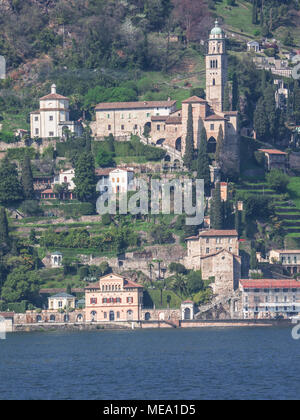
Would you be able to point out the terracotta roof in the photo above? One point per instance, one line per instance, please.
(272, 151)
(53, 96)
(214, 117)
(270, 284)
(130, 284)
(194, 100)
(230, 112)
(214, 232)
(286, 251)
(134, 105)
(48, 191)
(7, 314)
(103, 171)
(159, 118)
(174, 120)
(191, 238)
(50, 291)
(127, 285)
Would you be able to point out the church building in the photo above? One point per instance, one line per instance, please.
(52, 119)
(166, 126)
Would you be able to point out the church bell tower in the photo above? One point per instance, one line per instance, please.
(216, 68)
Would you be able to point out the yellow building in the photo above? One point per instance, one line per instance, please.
(113, 298)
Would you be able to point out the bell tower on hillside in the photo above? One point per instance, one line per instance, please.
(216, 68)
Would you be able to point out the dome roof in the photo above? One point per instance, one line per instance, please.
(216, 30)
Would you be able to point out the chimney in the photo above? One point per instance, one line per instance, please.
(53, 89)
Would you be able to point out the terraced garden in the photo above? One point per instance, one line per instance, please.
(287, 206)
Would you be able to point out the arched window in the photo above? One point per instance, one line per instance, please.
(211, 145)
(93, 316)
(52, 318)
(66, 318)
(214, 82)
(129, 315)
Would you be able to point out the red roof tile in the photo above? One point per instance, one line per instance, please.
(193, 100)
(272, 151)
(214, 232)
(53, 96)
(214, 117)
(270, 284)
(134, 105)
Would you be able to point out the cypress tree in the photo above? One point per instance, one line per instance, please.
(203, 171)
(189, 143)
(270, 109)
(254, 12)
(226, 100)
(235, 93)
(85, 179)
(4, 232)
(220, 146)
(253, 260)
(261, 123)
(216, 209)
(27, 179)
(237, 220)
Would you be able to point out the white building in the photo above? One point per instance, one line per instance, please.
(61, 301)
(66, 177)
(253, 46)
(290, 259)
(116, 180)
(53, 117)
(56, 259)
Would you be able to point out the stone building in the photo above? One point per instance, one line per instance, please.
(121, 119)
(216, 254)
(113, 298)
(53, 117)
(290, 259)
(275, 159)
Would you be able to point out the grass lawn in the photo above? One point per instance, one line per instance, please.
(294, 191)
(154, 297)
(238, 18)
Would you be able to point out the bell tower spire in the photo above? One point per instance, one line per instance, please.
(216, 68)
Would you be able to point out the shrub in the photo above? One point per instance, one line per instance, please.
(278, 180)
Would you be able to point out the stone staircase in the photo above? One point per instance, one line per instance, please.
(217, 302)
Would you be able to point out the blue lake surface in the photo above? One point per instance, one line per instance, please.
(230, 363)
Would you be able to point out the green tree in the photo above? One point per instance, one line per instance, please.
(278, 180)
(220, 146)
(21, 284)
(10, 187)
(226, 100)
(253, 260)
(261, 123)
(235, 93)
(105, 158)
(27, 179)
(203, 171)
(216, 209)
(85, 179)
(237, 220)
(189, 143)
(4, 231)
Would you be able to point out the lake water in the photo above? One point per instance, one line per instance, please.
(231, 363)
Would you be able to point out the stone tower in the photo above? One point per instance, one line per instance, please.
(216, 68)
